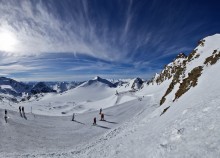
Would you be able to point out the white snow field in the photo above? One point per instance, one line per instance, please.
(134, 126)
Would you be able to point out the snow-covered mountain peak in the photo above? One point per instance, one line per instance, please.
(137, 83)
(177, 61)
(12, 88)
(209, 42)
(181, 55)
(97, 81)
(97, 78)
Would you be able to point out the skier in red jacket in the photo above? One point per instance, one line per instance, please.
(102, 117)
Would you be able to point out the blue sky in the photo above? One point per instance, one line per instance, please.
(67, 40)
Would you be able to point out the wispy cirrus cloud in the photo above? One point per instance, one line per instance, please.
(18, 68)
(39, 28)
(45, 26)
(70, 38)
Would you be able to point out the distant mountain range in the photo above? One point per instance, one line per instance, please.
(19, 91)
(15, 91)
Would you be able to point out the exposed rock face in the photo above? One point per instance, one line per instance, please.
(41, 87)
(170, 70)
(213, 58)
(191, 55)
(181, 73)
(181, 55)
(12, 87)
(137, 84)
(120, 83)
(201, 42)
(190, 81)
(165, 110)
(176, 79)
(178, 72)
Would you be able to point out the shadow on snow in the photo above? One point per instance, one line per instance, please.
(102, 126)
(79, 122)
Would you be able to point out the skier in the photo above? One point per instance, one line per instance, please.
(100, 111)
(116, 92)
(94, 121)
(23, 112)
(73, 117)
(6, 116)
(102, 117)
(20, 111)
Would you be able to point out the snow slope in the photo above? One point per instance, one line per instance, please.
(40, 136)
(68, 102)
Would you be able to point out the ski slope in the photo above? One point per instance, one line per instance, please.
(41, 134)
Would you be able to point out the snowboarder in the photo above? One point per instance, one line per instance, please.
(100, 111)
(6, 118)
(94, 121)
(20, 111)
(73, 118)
(102, 117)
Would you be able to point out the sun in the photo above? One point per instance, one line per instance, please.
(8, 41)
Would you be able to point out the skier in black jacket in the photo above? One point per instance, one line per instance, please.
(94, 121)
(20, 111)
(6, 117)
(100, 111)
(73, 118)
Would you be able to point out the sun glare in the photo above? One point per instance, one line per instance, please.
(7, 41)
